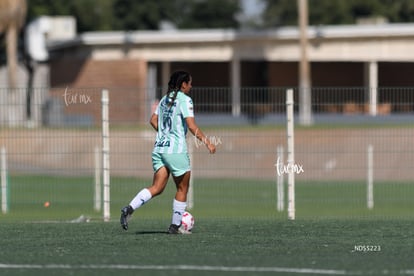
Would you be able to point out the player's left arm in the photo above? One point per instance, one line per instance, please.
(192, 126)
(154, 121)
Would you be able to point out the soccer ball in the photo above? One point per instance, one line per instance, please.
(187, 222)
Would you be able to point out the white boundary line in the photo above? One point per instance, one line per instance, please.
(204, 268)
(176, 267)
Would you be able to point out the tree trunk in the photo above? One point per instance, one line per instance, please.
(11, 38)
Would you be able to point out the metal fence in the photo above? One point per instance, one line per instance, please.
(52, 153)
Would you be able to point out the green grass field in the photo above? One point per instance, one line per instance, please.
(238, 230)
(71, 197)
(216, 247)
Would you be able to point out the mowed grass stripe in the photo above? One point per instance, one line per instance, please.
(70, 197)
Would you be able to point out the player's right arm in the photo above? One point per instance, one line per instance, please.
(154, 121)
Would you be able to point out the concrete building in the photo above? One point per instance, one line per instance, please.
(138, 64)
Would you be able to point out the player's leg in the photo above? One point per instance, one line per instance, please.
(182, 183)
(159, 183)
(160, 180)
(179, 165)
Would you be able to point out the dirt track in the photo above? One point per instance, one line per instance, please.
(324, 154)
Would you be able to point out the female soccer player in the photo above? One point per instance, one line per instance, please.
(173, 116)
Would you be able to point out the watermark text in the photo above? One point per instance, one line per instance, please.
(212, 139)
(75, 98)
(366, 248)
(288, 168)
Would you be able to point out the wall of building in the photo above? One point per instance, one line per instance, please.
(125, 79)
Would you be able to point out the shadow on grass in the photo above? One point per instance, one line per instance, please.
(150, 232)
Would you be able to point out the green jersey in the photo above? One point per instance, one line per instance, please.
(172, 127)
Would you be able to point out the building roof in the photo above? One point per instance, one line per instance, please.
(355, 38)
(219, 35)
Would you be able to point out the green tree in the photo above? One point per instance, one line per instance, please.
(140, 15)
(90, 14)
(93, 15)
(329, 12)
(47, 7)
(334, 12)
(100, 15)
(209, 14)
(185, 14)
(400, 11)
(280, 13)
